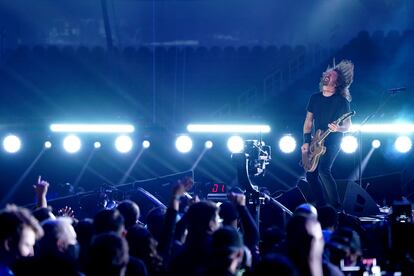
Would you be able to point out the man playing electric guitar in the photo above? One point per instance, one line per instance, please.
(323, 109)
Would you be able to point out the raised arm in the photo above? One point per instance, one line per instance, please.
(41, 188)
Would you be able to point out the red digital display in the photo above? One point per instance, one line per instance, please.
(218, 188)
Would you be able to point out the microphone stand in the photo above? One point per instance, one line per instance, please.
(367, 118)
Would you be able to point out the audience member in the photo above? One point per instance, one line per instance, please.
(19, 231)
(130, 211)
(108, 255)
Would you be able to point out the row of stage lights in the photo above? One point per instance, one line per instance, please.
(124, 144)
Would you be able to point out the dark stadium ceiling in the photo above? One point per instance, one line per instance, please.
(206, 23)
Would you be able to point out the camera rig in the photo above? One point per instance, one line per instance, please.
(258, 155)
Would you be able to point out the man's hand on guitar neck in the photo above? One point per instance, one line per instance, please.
(334, 127)
(344, 127)
(339, 128)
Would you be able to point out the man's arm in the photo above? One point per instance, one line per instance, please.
(307, 126)
(307, 129)
(346, 125)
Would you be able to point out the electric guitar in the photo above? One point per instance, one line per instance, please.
(311, 158)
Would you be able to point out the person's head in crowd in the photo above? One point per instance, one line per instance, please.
(59, 239)
(272, 263)
(345, 244)
(108, 255)
(227, 251)
(305, 244)
(19, 231)
(130, 211)
(203, 218)
(328, 217)
(228, 213)
(43, 213)
(109, 221)
(84, 233)
(155, 221)
(306, 209)
(142, 245)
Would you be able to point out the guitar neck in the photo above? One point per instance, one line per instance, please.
(324, 135)
(328, 131)
(338, 121)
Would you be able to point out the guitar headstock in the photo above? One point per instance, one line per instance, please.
(345, 116)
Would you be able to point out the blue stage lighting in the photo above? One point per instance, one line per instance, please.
(12, 144)
(349, 144)
(287, 144)
(72, 144)
(235, 144)
(146, 144)
(123, 144)
(403, 144)
(184, 144)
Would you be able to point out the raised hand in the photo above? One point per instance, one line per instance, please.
(179, 190)
(41, 188)
(66, 212)
(237, 199)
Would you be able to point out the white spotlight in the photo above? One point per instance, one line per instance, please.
(403, 144)
(92, 128)
(376, 143)
(48, 145)
(123, 144)
(235, 144)
(12, 144)
(208, 144)
(349, 144)
(287, 144)
(218, 128)
(146, 144)
(97, 145)
(384, 128)
(184, 144)
(72, 144)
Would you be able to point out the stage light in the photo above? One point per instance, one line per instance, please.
(48, 145)
(208, 144)
(349, 144)
(287, 144)
(384, 128)
(92, 128)
(403, 144)
(12, 144)
(97, 145)
(72, 144)
(227, 128)
(123, 143)
(184, 144)
(146, 144)
(376, 143)
(235, 144)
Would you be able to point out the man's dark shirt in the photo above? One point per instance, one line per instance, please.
(325, 110)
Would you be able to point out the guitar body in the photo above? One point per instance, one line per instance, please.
(310, 159)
